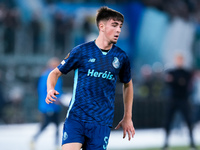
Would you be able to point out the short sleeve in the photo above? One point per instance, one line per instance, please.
(125, 71)
(71, 61)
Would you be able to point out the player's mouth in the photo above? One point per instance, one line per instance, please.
(116, 37)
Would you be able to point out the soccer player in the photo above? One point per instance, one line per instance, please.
(179, 80)
(50, 113)
(97, 65)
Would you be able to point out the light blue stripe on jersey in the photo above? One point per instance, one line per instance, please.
(74, 91)
(104, 53)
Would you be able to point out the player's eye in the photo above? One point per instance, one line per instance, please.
(114, 25)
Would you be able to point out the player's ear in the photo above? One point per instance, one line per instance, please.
(101, 26)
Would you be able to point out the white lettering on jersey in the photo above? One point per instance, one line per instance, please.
(105, 75)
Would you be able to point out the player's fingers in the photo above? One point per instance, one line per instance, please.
(50, 99)
(124, 134)
(53, 96)
(47, 101)
(56, 93)
(133, 132)
(129, 135)
(52, 93)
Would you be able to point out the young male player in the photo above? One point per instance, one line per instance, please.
(97, 65)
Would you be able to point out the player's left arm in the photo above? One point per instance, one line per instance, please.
(126, 123)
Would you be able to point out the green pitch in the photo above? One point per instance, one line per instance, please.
(170, 148)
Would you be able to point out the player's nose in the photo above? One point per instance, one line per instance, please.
(118, 29)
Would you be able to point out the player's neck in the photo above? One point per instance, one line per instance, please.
(103, 44)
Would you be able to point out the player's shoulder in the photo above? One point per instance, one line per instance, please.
(84, 45)
(119, 51)
(81, 48)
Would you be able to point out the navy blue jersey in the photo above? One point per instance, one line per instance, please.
(95, 79)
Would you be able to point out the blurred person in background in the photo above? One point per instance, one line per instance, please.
(196, 97)
(11, 23)
(179, 81)
(2, 99)
(97, 65)
(36, 29)
(50, 113)
(60, 30)
(145, 89)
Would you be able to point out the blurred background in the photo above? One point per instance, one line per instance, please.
(154, 31)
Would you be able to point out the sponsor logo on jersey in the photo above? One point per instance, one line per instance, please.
(116, 63)
(105, 75)
(92, 60)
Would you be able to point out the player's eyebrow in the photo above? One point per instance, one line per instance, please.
(116, 23)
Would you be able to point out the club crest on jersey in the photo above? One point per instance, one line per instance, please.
(116, 63)
(65, 136)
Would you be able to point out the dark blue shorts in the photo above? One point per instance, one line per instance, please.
(91, 135)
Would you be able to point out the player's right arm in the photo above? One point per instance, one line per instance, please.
(51, 83)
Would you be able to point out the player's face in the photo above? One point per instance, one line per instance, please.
(112, 30)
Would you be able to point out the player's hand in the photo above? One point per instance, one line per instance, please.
(127, 126)
(51, 96)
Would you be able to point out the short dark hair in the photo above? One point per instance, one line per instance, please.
(105, 13)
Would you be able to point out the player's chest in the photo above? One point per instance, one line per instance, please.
(110, 63)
